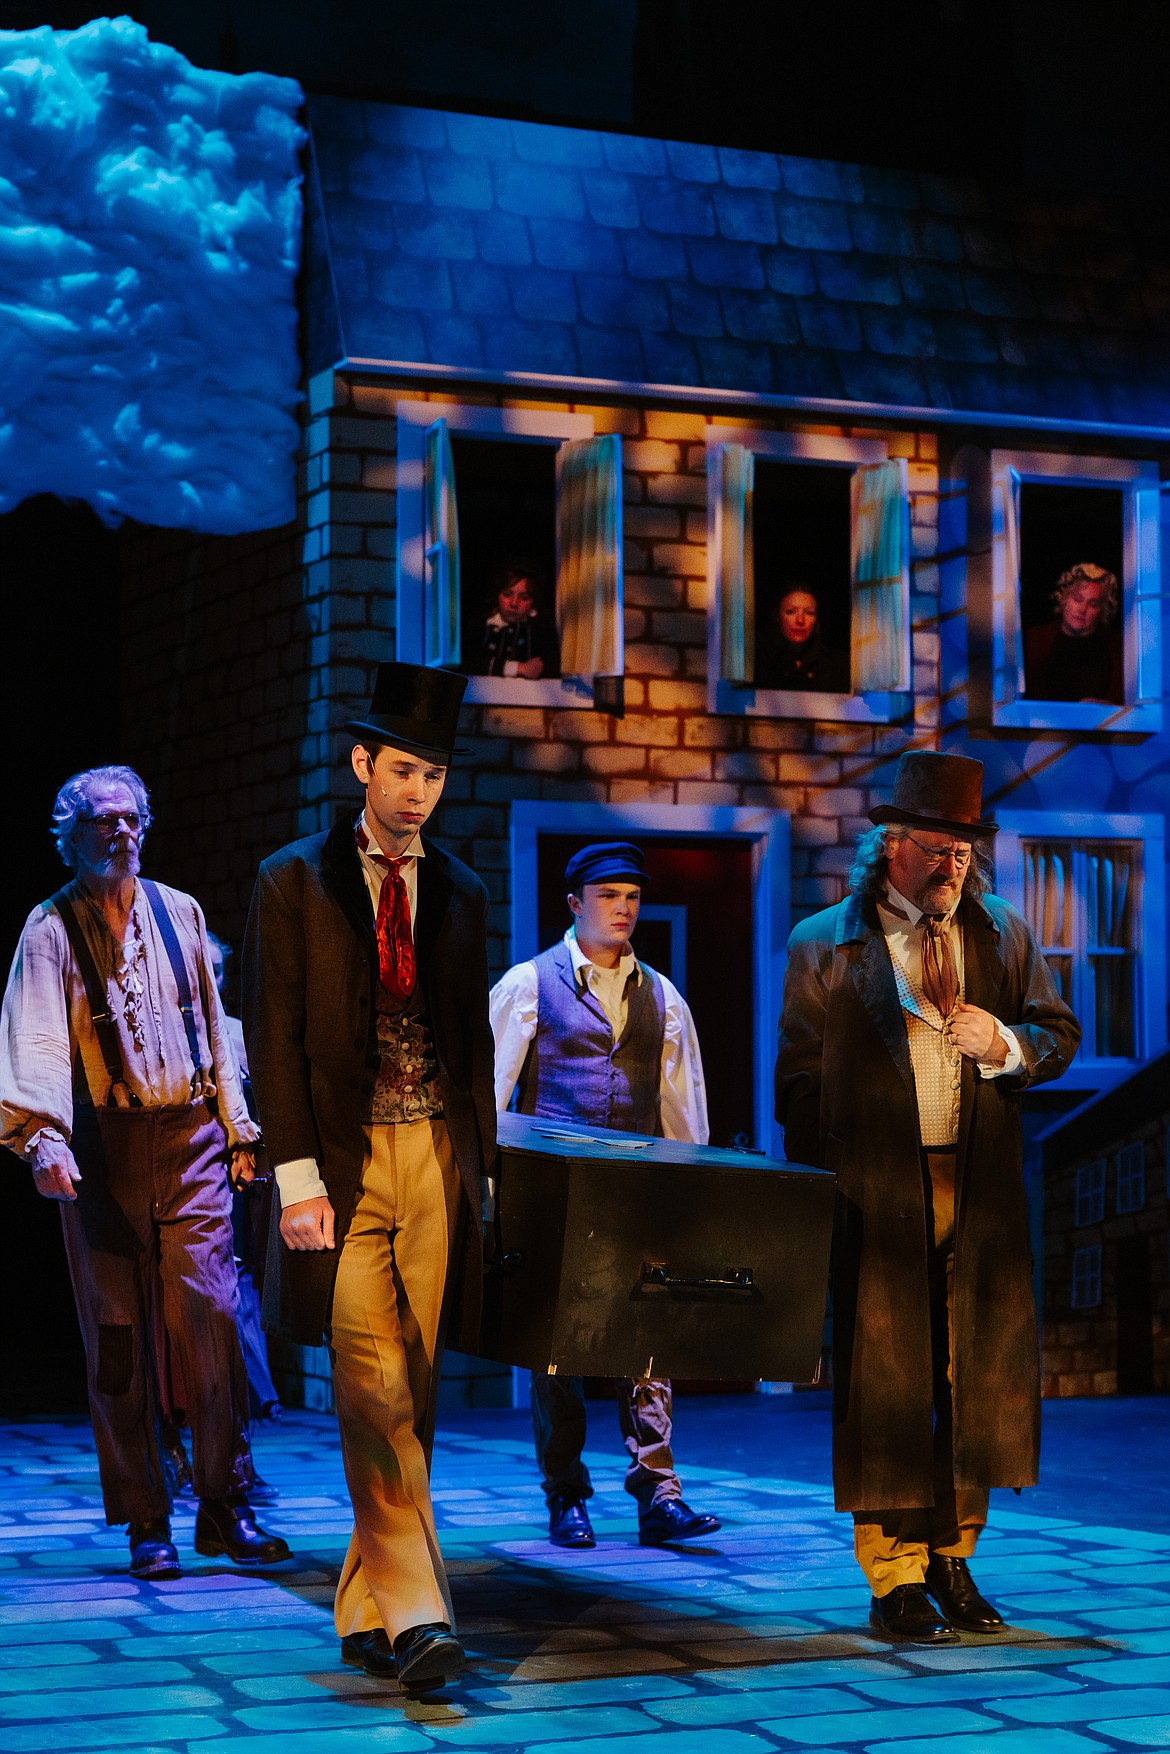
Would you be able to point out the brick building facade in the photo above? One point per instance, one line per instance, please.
(1107, 1241)
(513, 280)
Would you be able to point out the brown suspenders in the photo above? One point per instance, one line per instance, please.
(98, 998)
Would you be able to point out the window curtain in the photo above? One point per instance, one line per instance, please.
(732, 479)
(1012, 685)
(589, 556)
(441, 643)
(881, 642)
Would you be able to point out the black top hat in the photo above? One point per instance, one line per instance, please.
(941, 792)
(415, 708)
(603, 861)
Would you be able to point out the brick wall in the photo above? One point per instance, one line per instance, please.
(1081, 1346)
(667, 748)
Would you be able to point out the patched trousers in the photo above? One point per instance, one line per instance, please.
(152, 1224)
(385, 1340)
(558, 1428)
(894, 1546)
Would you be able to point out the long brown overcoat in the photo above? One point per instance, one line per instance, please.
(310, 971)
(845, 1098)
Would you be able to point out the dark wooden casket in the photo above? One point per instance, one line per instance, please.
(619, 1255)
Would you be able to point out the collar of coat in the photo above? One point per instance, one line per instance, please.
(341, 869)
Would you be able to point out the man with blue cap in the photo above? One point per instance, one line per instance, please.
(594, 1036)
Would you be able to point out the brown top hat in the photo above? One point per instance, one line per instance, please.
(415, 708)
(941, 792)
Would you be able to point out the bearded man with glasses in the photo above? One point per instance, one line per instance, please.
(119, 1087)
(916, 1012)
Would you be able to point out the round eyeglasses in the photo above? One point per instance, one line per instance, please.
(939, 855)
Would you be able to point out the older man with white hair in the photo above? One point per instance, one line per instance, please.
(119, 1088)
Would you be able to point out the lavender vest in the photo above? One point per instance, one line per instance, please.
(575, 1071)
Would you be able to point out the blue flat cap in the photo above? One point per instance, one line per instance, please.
(604, 861)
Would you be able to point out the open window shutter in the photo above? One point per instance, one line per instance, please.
(1013, 643)
(731, 483)
(440, 551)
(880, 562)
(589, 556)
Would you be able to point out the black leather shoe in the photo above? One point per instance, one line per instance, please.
(427, 1657)
(152, 1553)
(953, 1588)
(227, 1528)
(568, 1524)
(672, 1520)
(371, 1651)
(907, 1616)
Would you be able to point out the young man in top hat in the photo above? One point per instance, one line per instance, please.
(923, 1000)
(371, 1056)
(594, 1036)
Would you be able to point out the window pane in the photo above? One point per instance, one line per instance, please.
(507, 538)
(1047, 876)
(1072, 650)
(801, 546)
(1111, 869)
(1111, 980)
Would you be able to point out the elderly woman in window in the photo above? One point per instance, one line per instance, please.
(517, 638)
(1077, 655)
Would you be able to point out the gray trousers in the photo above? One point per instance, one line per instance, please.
(558, 1427)
(151, 1225)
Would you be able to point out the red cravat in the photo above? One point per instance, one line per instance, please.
(397, 969)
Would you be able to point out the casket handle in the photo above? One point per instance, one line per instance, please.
(658, 1273)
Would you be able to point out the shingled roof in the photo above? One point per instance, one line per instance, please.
(502, 249)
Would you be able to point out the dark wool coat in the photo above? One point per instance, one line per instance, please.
(310, 972)
(845, 1097)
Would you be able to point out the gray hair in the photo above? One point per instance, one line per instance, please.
(867, 874)
(77, 792)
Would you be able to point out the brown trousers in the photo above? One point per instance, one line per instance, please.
(558, 1429)
(894, 1546)
(151, 1229)
(385, 1337)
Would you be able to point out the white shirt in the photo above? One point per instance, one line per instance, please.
(300, 1179)
(512, 1006)
(904, 939)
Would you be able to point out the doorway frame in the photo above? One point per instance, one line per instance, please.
(769, 833)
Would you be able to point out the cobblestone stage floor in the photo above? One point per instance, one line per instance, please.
(755, 1641)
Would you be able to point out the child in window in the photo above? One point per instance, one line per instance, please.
(517, 638)
(1077, 655)
(794, 656)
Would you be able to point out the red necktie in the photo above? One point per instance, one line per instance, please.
(939, 980)
(397, 969)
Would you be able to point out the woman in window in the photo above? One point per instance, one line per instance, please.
(1077, 655)
(795, 656)
(517, 639)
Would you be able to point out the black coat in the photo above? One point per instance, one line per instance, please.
(310, 973)
(845, 1097)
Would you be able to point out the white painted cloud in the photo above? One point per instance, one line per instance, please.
(150, 217)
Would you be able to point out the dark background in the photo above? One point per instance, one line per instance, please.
(507, 517)
(1060, 527)
(801, 536)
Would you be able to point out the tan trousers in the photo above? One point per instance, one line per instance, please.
(386, 1340)
(894, 1546)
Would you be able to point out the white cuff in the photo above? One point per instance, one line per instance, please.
(299, 1180)
(1015, 1059)
(511, 667)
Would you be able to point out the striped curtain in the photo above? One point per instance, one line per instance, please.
(730, 484)
(589, 556)
(880, 559)
(441, 644)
